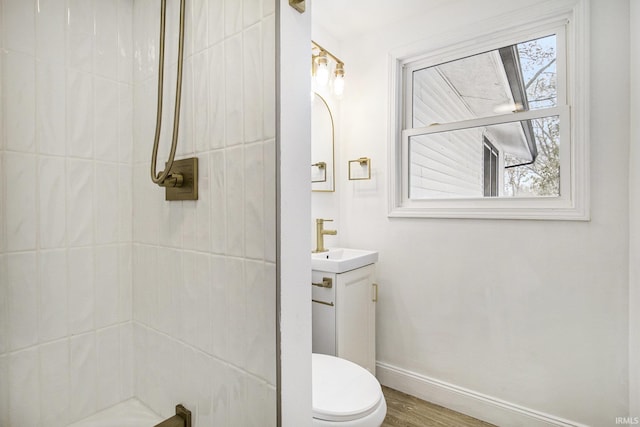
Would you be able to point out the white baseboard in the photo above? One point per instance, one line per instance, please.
(477, 405)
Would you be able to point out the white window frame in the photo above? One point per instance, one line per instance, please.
(566, 18)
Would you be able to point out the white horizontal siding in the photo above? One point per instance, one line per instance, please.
(435, 101)
(446, 164)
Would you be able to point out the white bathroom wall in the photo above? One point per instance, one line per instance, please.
(634, 215)
(204, 271)
(531, 313)
(66, 335)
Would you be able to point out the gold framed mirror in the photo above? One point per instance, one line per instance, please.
(322, 146)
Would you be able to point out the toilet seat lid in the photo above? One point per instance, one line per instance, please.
(342, 390)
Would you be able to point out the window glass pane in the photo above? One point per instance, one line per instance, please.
(518, 77)
(526, 156)
(542, 177)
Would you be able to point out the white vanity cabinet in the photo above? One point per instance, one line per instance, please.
(344, 315)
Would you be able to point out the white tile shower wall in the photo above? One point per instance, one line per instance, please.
(66, 144)
(204, 280)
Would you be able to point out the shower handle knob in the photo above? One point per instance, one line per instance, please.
(174, 179)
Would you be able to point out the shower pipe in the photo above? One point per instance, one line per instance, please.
(166, 178)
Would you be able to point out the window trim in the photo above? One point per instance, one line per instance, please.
(573, 203)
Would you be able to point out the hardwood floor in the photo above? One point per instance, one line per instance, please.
(408, 411)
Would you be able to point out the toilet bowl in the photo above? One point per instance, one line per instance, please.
(345, 394)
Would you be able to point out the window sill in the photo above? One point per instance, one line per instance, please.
(522, 209)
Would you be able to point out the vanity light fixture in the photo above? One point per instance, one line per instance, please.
(321, 63)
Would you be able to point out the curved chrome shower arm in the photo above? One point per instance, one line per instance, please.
(159, 178)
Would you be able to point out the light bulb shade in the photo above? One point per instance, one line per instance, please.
(322, 69)
(338, 85)
(322, 74)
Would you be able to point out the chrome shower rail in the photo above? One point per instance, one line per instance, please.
(166, 178)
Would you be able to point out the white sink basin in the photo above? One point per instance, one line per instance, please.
(339, 260)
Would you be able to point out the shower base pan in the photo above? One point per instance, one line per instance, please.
(130, 413)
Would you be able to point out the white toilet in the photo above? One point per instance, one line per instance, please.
(345, 394)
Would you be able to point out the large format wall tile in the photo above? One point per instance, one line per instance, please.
(106, 290)
(20, 201)
(80, 199)
(108, 366)
(269, 188)
(106, 119)
(3, 238)
(105, 52)
(19, 101)
(51, 101)
(269, 76)
(52, 199)
(203, 208)
(19, 25)
(125, 203)
(232, 17)
(217, 113)
(125, 279)
(201, 101)
(24, 388)
(22, 300)
(54, 383)
(81, 290)
(80, 107)
(215, 22)
(254, 201)
(106, 200)
(125, 123)
(4, 310)
(233, 89)
(51, 19)
(235, 200)
(252, 83)
(217, 186)
(126, 373)
(80, 35)
(83, 375)
(125, 41)
(52, 277)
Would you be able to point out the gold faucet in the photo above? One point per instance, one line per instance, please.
(320, 233)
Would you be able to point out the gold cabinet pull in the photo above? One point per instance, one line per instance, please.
(326, 283)
(330, 304)
(375, 292)
(298, 5)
